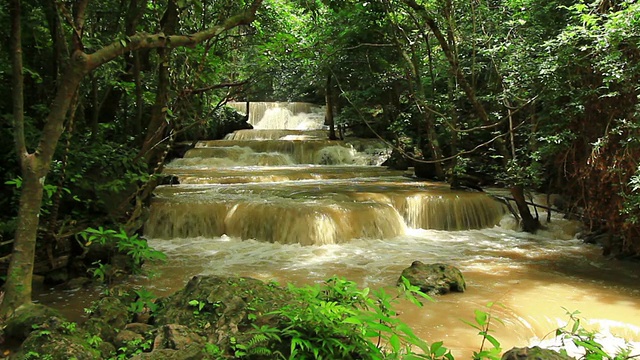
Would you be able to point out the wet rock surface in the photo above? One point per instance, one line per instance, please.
(434, 279)
(211, 312)
(534, 353)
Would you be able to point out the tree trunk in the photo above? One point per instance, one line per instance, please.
(34, 168)
(20, 273)
(134, 14)
(36, 165)
(328, 115)
(529, 223)
(158, 123)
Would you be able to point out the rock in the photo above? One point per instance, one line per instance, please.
(534, 353)
(110, 314)
(58, 341)
(126, 336)
(26, 318)
(397, 161)
(219, 308)
(76, 283)
(227, 120)
(223, 121)
(56, 277)
(139, 328)
(424, 170)
(465, 182)
(192, 352)
(434, 279)
(176, 337)
(168, 180)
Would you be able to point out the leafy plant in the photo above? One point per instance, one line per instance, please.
(145, 301)
(198, 304)
(137, 248)
(339, 320)
(482, 322)
(574, 332)
(94, 340)
(100, 271)
(69, 327)
(257, 345)
(133, 348)
(120, 241)
(212, 351)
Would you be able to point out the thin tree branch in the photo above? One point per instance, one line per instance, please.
(188, 92)
(148, 41)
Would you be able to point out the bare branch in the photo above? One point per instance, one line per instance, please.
(188, 92)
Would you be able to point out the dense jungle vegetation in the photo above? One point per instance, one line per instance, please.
(529, 95)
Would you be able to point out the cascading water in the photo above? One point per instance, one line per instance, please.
(282, 115)
(289, 205)
(264, 204)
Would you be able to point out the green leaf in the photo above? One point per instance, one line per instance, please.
(352, 320)
(493, 341)
(395, 343)
(482, 318)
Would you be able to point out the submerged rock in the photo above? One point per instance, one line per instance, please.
(534, 353)
(434, 279)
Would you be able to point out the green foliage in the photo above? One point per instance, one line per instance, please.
(133, 348)
(145, 301)
(49, 191)
(94, 340)
(136, 248)
(482, 323)
(212, 351)
(32, 355)
(69, 327)
(339, 320)
(258, 344)
(198, 304)
(575, 333)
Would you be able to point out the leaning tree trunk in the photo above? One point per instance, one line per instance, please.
(328, 115)
(158, 124)
(35, 166)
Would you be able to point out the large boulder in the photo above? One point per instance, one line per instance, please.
(26, 318)
(534, 353)
(58, 340)
(109, 315)
(220, 308)
(434, 279)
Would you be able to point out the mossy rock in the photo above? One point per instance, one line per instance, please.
(219, 308)
(434, 279)
(192, 352)
(534, 353)
(26, 318)
(109, 315)
(58, 341)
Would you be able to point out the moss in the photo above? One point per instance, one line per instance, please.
(26, 318)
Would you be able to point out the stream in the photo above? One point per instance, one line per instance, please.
(282, 203)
